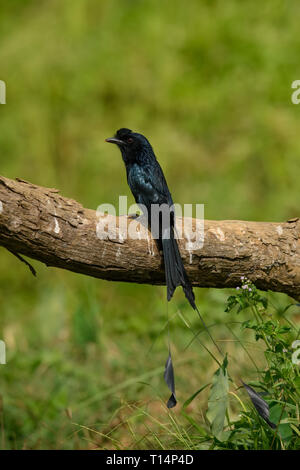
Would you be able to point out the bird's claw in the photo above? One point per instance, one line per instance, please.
(133, 216)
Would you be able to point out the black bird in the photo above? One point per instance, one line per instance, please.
(148, 185)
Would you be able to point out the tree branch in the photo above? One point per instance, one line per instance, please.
(39, 223)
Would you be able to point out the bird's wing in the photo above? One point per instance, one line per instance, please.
(149, 186)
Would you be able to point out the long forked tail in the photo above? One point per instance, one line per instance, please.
(176, 276)
(174, 269)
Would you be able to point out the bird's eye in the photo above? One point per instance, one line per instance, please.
(130, 140)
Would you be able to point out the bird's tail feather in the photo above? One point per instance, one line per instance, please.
(174, 270)
(176, 276)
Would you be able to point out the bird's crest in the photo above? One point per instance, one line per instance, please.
(123, 132)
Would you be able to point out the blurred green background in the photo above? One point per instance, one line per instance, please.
(209, 83)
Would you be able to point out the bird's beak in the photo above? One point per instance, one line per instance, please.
(113, 140)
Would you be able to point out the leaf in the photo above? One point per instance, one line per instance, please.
(218, 401)
(169, 379)
(192, 397)
(260, 404)
(297, 384)
(278, 414)
(191, 420)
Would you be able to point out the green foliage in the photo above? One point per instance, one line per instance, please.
(218, 401)
(279, 379)
(246, 296)
(277, 383)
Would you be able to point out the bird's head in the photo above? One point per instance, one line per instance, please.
(130, 143)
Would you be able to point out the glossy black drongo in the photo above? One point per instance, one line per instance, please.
(149, 187)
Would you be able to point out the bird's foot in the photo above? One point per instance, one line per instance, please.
(133, 216)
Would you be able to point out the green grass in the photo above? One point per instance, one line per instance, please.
(210, 84)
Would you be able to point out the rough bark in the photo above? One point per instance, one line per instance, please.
(40, 223)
